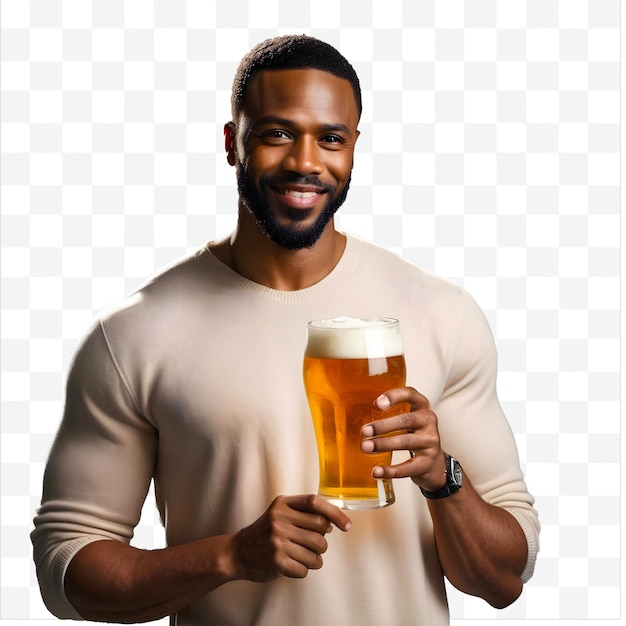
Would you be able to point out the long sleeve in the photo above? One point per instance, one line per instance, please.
(473, 427)
(195, 382)
(98, 471)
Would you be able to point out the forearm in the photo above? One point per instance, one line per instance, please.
(482, 548)
(110, 581)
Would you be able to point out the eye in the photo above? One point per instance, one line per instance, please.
(332, 139)
(332, 142)
(277, 135)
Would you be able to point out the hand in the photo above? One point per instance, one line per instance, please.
(415, 431)
(288, 539)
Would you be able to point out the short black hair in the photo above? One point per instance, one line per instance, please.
(291, 52)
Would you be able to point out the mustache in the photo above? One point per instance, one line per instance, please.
(295, 179)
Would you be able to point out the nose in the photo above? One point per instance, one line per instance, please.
(304, 157)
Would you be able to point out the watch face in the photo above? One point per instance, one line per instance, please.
(457, 472)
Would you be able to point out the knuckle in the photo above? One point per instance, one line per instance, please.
(277, 503)
(321, 523)
(276, 545)
(312, 501)
(404, 441)
(283, 565)
(317, 563)
(407, 419)
(321, 545)
(392, 472)
(273, 517)
(432, 439)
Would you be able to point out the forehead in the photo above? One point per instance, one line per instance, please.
(298, 92)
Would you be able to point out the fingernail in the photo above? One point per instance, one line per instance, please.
(378, 472)
(367, 446)
(383, 402)
(367, 431)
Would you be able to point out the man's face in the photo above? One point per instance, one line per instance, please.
(295, 143)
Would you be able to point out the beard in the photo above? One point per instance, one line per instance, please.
(292, 236)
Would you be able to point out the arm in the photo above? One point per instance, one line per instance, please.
(114, 582)
(111, 581)
(487, 532)
(482, 548)
(96, 480)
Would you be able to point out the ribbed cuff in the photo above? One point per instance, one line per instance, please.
(57, 602)
(532, 539)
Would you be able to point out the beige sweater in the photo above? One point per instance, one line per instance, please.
(195, 381)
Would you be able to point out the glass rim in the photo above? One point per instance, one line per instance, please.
(348, 323)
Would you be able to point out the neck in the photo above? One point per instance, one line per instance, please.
(252, 255)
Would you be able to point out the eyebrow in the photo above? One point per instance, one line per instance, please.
(286, 123)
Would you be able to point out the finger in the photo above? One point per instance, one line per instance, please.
(309, 558)
(298, 551)
(401, 470)
(423, 463)
(402, 394)
(307, 540)
(315, 522)
(311, 503)
(413, 440)
(404, 422)
(297, 562)
(414, 402)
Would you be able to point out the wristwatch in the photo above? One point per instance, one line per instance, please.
(454, 480)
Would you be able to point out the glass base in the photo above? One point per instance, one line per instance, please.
(355, 499)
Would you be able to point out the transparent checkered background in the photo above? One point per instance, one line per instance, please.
(489, 153)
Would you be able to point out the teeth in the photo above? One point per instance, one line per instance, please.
(300, 194)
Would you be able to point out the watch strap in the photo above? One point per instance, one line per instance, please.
(451, 485)
(444, 492)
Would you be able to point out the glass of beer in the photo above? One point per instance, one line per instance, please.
(348, 363)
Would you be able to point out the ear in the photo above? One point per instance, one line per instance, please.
(229, 143)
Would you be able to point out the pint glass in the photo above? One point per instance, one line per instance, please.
(348, 363)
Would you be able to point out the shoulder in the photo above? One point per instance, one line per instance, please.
(442, 308)
(168, 304)
(168, 285)
(390, 267)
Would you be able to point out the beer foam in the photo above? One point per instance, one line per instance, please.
(354, 338)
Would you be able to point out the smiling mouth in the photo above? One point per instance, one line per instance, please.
(299, 194)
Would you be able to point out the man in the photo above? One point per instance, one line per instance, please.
(195, 381)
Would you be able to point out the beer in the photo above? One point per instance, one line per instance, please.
(348, 363)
